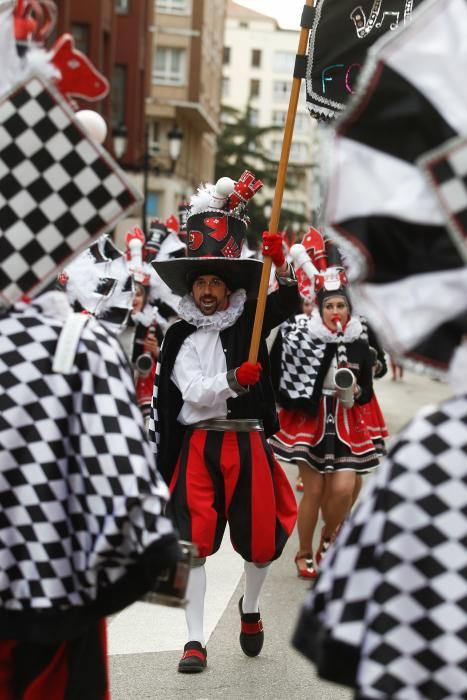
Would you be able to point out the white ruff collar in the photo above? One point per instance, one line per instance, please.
(317, 329)
(53, 303)
(457, 375)
(219, 320)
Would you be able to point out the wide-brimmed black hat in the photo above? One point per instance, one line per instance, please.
(215, 237)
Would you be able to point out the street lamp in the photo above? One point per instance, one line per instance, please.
(175, 136)
(120, 140)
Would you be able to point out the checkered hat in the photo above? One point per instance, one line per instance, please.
(59, 189)
(216, 229)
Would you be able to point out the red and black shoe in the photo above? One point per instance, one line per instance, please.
(193, 659)
(251, 631)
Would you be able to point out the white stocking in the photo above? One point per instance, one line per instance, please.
(194, 611)
(254, 579)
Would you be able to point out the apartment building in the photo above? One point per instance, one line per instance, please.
(258, 64)
(184, 99)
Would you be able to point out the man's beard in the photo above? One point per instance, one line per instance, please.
(209, 305)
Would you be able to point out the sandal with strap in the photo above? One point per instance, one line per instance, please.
(324, 544)
(307, 571)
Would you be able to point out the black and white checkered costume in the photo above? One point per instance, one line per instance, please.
(301, 358)
(389, 612)
(82, 530)
(59, 189)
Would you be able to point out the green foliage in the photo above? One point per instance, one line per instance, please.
(240, 147)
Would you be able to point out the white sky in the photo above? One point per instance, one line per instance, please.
(287, 12)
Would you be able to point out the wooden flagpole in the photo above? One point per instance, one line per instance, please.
(278, 193)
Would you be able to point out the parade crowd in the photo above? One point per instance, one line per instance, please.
(137, 424)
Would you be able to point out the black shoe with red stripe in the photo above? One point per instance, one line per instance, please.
(251, 631)
(193, 659)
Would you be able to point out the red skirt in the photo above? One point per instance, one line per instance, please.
(336, 438)
(375, 423)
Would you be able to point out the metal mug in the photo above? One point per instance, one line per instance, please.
(171, 584)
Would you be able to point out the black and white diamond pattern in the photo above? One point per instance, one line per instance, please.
(80, 497)
(300, 360)
(58, 188)
(447, 171)
(394, 586)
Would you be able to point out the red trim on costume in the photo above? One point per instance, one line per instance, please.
(6, 669)
(194, 652)
(103, 637)
(52, 682)
(252, 627)
(175, 476)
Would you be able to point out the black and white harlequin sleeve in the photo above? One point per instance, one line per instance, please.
(390, 601)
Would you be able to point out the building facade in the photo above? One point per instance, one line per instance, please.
(184, 97)
(258, 65)
(163, 59)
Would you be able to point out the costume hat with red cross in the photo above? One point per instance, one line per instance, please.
(216, 228)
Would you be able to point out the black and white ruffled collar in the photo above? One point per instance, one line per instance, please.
(189, 312)
(317, 329)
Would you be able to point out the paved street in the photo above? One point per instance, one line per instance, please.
(145, 641)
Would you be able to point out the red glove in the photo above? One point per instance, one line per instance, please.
(248, 373)
(273, 247)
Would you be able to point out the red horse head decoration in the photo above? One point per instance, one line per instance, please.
(79, 78)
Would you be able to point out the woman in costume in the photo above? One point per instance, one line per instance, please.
(323, 429)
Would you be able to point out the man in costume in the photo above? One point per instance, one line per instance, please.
(221, 409)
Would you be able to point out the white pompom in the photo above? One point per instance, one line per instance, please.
(225, 186)
(93, 124)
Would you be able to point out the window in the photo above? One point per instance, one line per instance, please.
(173, 7)
(169, 66)
(301, 121)
(225, 87)
(253, 117)
(80, 34)
(256, 58)
(153, 137)
(122, 7)
(243, 25)
(293, 205)
(226, 56)
(119, 82)
(299, 152)
(281, 90)
(276, 148)
(279, 117)
(283, 61)
(153, 204)
(254, 88)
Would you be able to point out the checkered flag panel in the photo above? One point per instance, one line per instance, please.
(80, 497)
(393, 588)
(58, 189)
(300, 360)
(447, 171)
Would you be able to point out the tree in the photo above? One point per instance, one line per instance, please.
(240, 147)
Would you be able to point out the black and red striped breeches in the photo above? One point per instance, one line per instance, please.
(230, 477)
(71, 670)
